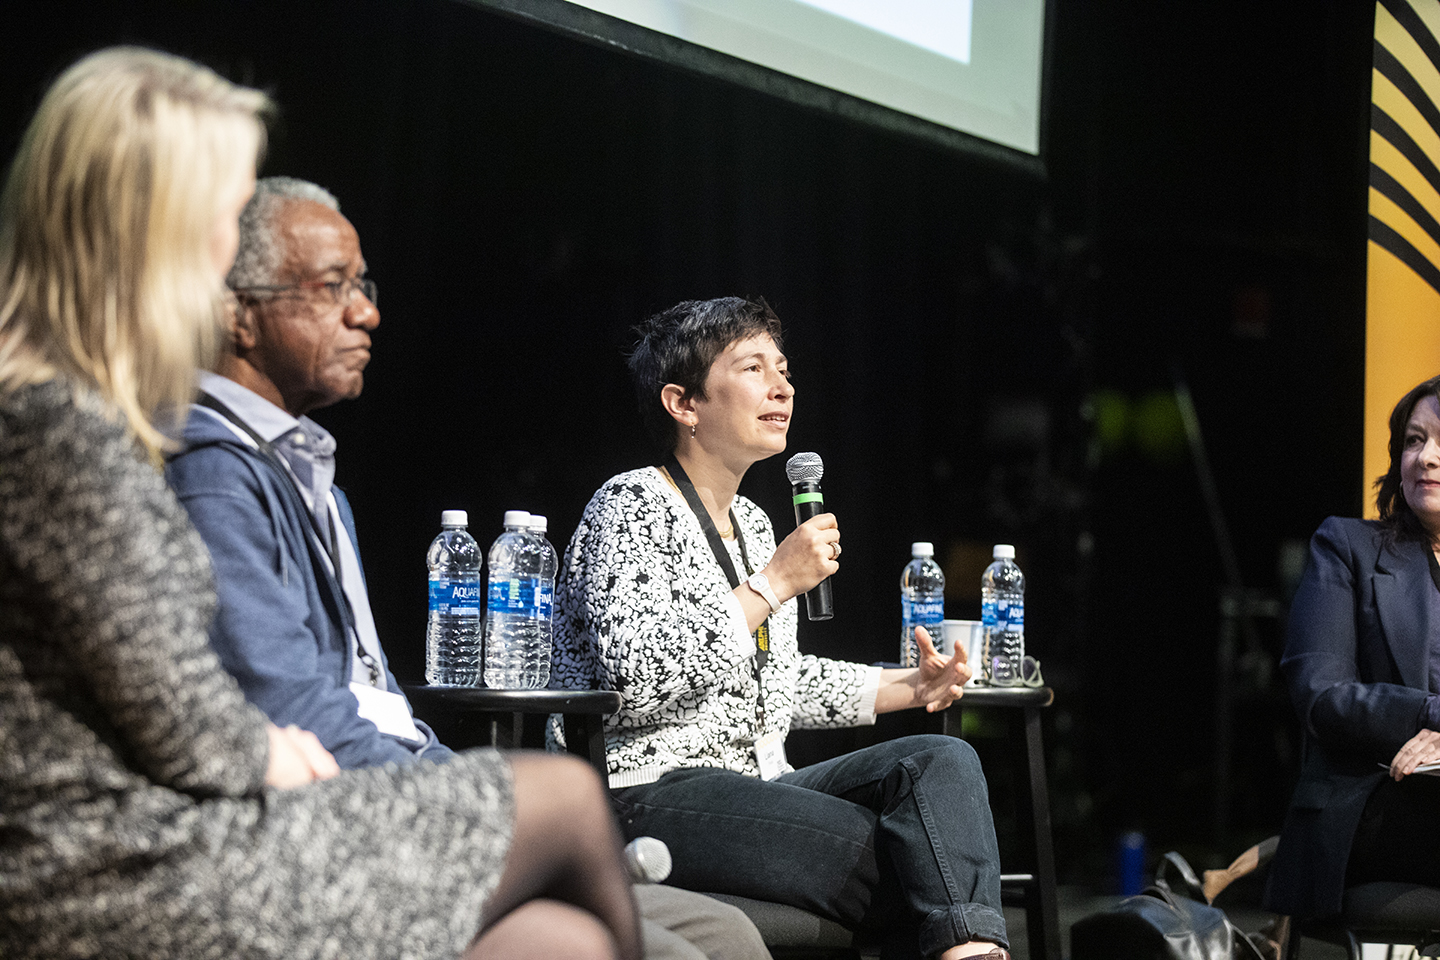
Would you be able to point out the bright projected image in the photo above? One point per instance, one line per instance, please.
(970, 65)
(939, 25)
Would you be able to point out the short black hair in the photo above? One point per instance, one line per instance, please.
(1395, 512)
(678, 346)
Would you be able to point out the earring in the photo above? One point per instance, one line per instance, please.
(692, 431)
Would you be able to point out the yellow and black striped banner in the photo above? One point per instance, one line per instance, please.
(1402, 326)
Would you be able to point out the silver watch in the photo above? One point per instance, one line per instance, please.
(761, 585)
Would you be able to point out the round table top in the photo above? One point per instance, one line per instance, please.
(980, 696)
(514, 701)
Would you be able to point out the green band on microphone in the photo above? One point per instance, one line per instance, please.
(809, 498)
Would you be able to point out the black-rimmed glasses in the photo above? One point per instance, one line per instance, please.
(340, 291)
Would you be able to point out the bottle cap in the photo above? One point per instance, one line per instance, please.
(454, 518)
(538, 523)
(922, 548)
(516, 518)
(1004, 551)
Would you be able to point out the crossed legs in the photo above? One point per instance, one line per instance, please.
(898, 835)
(564, 891)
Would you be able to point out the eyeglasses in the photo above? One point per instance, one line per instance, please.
(340, 291)
(1004, 674)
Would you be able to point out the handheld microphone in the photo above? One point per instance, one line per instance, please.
(804, 471)
(647, 860)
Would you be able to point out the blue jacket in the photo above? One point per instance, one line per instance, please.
(280, 626)
(1357, 662)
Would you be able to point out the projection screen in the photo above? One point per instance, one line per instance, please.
(967, 73)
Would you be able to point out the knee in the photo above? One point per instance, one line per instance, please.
(546, 928)
(937, 751)
(580, 781)
(559, 788)
(578, 934)
(558, 771)
(942, 763)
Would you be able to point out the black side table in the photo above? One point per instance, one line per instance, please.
(478, 716)
(1037, 889)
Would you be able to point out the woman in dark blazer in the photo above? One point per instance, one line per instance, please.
(1362, 659)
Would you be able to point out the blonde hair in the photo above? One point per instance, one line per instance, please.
(105, 225)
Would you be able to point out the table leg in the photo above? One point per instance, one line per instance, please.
(1042, 915)
(1042, 926)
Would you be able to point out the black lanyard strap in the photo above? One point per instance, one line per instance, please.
(722, 557)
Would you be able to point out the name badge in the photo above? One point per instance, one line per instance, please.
(770, 755)
(388, 711)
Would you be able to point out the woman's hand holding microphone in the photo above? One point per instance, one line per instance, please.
(808, 555)
(804, 558)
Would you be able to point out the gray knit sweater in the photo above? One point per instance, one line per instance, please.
(133, 820)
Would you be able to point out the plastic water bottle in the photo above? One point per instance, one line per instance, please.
(1002, 610)
(518, 616)
(537, 664)
(922, 601)
(452, 634)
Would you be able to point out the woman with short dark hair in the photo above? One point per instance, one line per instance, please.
(674, 592)
(1362, 658)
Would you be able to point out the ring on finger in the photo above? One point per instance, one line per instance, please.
(835, 550)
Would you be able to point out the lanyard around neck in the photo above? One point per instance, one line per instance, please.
(722, 556)
(268, 451)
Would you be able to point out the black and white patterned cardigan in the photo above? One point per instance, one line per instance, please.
(643, 608)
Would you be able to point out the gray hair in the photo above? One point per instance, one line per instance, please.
(260, 251)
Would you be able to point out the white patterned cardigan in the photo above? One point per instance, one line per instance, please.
(643, 608)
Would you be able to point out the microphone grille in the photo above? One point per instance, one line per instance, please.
(648, 860)
(805, 466)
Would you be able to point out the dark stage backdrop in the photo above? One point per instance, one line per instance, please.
(523, 198)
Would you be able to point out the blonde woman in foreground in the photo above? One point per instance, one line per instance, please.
(145, 808)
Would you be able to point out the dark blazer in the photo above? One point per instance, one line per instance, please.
(1357, 664)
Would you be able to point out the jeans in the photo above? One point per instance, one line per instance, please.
(896, 837)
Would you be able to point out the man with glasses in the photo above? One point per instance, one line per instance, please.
(255, 473)
(293, 623)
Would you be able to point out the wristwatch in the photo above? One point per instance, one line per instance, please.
(761, 585)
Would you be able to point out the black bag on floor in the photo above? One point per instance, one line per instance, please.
(1162, 923)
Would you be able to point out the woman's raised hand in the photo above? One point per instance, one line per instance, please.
(804, 558)
(939, 681)
(935, 684)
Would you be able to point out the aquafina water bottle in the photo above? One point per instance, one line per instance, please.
(519, 603)
(452, 633)
(537, 660)
(1002, 611)
(922, 601)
